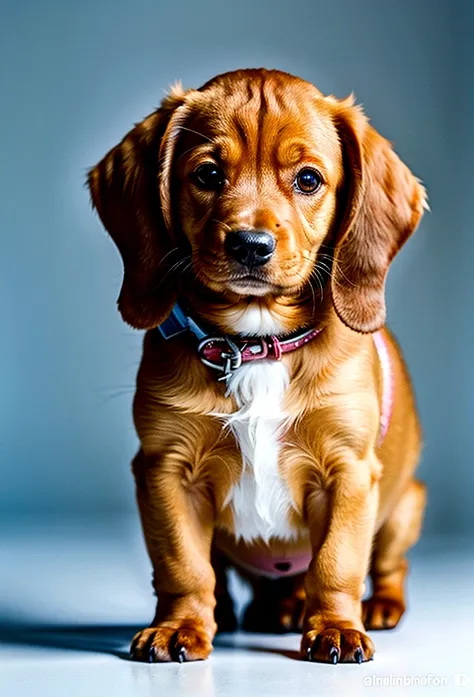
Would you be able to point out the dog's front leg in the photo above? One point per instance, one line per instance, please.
(178, 521)
(333, 629)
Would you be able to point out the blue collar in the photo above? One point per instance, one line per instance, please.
(178, 323)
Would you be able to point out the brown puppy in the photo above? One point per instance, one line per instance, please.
(272, 213)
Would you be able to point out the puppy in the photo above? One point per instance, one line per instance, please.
(257, 219)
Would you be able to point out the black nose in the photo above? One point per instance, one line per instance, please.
(250, 247)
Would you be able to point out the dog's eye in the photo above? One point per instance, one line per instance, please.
(308, 181)
(209, 176)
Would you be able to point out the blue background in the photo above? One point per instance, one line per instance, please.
(74, 78)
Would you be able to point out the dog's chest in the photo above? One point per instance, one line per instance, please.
(261, 501)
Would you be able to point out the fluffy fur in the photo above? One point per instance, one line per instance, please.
(261, 501)
(256, 320)
(285, 460)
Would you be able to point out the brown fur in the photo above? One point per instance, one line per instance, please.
(350, 495)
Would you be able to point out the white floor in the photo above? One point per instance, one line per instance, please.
(71, 597)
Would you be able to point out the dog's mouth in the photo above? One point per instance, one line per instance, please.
(252, 284)
(256, 282)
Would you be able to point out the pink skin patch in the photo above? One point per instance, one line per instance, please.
(274, 567)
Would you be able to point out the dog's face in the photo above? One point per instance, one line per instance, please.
(259, 171)
(247, 184)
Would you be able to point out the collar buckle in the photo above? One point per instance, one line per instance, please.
(229, 361)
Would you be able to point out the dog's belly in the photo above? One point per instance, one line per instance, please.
(274, 560)
(261, 503)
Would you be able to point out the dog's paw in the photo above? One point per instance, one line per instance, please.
(291, 614)
(275, 615)
(382, 613)
(337, 646)
(165, 643)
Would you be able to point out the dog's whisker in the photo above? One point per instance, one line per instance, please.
(187, 151)
(307, 283)
(320, 283)
(172, 251)
(175, 267)
(220, 222)
(191, 130)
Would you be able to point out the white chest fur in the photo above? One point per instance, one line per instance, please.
(261, 501)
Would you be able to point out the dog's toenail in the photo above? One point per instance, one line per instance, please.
(358, 655)
(334, 655)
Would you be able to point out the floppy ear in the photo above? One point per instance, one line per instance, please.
(125, 190)
(384, 203)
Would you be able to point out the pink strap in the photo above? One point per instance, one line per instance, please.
(388, 383)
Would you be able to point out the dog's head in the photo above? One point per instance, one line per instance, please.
(248, 186)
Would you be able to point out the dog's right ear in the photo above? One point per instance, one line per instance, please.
(125, 189)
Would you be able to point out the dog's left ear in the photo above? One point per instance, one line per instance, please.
(130, 188)
(383, 205)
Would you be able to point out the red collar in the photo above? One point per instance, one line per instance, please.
(226, 354)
